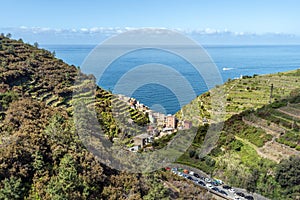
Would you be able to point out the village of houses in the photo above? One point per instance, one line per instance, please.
(160, 125)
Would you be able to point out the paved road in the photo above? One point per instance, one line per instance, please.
(201, 179)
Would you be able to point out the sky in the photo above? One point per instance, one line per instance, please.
(255, 17)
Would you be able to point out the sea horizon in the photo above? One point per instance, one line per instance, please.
(232, 61)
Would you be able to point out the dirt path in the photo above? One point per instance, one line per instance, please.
(288, 113)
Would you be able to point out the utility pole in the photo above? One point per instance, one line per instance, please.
(271, 93)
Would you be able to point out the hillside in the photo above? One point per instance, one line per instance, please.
(41, 156)
(248, 92)
(260, 141)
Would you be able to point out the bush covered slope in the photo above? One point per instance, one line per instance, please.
(41, 156)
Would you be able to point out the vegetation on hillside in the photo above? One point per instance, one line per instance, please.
(41, 155)
(244, 154)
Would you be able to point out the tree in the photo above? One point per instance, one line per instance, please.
(157, 190)
(12, 189)
(36, 45)
(288, 172)
(123, 186)
(251, 181)
(11, 49)
(66, 184)
(236, 145)
(210, 161)
(38, 162)
(192, 153)
(8, 35)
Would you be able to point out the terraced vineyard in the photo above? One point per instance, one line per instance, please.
(287, 118)
(247, 93)
(36, 73)
(257, 136)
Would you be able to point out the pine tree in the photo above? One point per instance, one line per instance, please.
(12, 189)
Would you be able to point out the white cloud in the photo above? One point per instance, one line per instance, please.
(117, 30)
(95, 34)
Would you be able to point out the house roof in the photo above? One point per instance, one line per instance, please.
(142, 136)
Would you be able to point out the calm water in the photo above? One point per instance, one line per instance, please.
(232, 62)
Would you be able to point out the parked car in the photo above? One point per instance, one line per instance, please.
(226, 187)
(249, 197)
(190, 178)
(240, 194)
(201, 183)
(196, 175)
(231, 190)
(209, 185)
(220, 182)
(192, 173)
(207, 180)
(215, 189)
(214, 183)
(175, 172)
(223, 192)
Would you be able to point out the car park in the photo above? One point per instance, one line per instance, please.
(211, 184)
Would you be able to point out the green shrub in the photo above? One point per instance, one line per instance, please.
(216, 152)
(236, 145)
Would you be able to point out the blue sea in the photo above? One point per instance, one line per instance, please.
(231, 61)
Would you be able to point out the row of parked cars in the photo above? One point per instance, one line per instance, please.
(210, 184)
